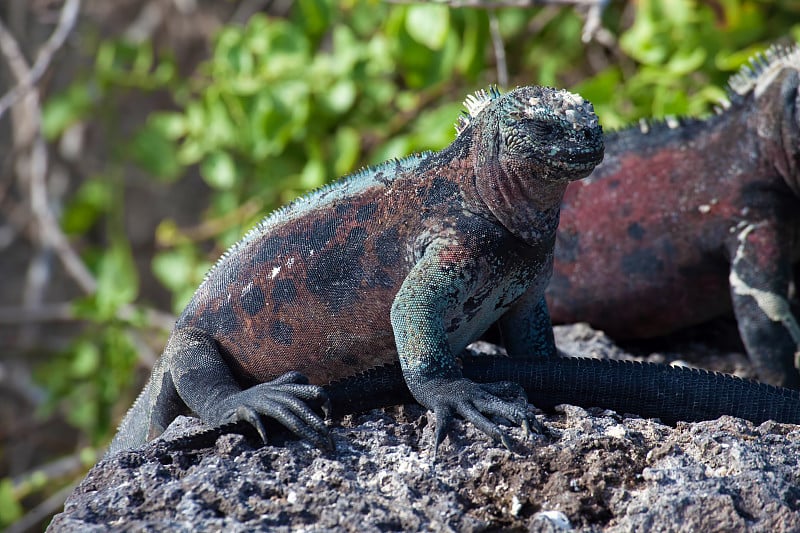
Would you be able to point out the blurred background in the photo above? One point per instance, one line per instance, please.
(140, 138)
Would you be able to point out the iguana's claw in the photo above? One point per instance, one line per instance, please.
(283, 399)
(249, 415)
(475, 402)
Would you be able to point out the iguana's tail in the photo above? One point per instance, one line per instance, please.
(156, 406)
(646, 389)
(133, 429)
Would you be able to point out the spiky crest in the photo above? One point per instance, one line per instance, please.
(762, 68)
(474, 104)
(753, 77)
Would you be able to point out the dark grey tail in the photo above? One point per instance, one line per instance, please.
(645, 389)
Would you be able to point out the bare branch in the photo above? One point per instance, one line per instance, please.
(66, 22)
(59, 312)
(592, 9)
(32, 167)
(28, 136)
(64, 312)
(496, 4)
(499, 50)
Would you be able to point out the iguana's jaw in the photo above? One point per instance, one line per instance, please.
(565, 165)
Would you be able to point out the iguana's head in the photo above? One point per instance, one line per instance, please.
(769, 87)
(552, 134)
(526, 146)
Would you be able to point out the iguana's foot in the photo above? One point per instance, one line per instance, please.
(283, 399)
(474, 402)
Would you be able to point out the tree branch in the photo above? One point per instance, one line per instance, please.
(32, 168)
(495, 4)
(499, 50)
(66, 22)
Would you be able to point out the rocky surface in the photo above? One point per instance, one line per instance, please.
(596, 471)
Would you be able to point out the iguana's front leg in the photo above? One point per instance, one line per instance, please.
(759, 280)
(437, 283)
(205, 383)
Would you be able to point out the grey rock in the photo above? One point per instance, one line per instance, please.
(596, 471)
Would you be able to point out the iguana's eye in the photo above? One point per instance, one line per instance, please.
(543, 129)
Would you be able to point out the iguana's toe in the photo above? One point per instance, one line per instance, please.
(513, 392)
(286, 400)
(475, 403)
(245, 413)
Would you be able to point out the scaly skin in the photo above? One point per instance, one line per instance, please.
(409, 261)
(687, 220)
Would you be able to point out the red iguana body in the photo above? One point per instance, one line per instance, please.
(687, 220)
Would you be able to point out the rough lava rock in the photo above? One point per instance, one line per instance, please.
(596, 471)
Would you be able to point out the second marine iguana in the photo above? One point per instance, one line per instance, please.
(405, 262)
(687, 220)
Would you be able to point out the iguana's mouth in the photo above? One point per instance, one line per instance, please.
(577, 161)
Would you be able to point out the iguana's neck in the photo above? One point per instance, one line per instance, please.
(514, 195)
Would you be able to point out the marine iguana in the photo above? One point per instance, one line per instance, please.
(687, 219)
(405, 262)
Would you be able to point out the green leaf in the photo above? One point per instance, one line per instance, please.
(347, 147)
(428, 24)
(10, 508)
(313, 174)
(174, 267)
(314, 15)
(93, 199)
(686, 61)
(399, 146)
(170, 125)
(155, 152)
(219, 170)
(117, 281)
(434, 129)
(472, 54)
(340, 96)
(65, 109)
(86, 359)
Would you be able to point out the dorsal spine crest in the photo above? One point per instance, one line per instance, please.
(474, 104)
(761, 69)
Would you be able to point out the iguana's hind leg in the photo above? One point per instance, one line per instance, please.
(759, 281)
(205, 383)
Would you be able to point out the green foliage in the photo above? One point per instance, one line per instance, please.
(88, 379)
(684, 52)
(10, 508)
